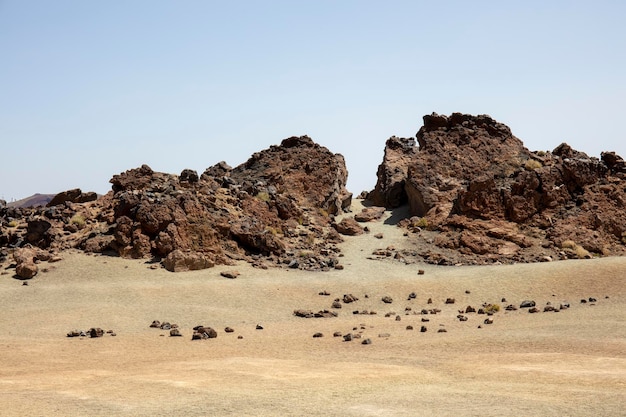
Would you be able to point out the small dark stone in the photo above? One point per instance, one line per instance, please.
(318, 334)
(367, 341)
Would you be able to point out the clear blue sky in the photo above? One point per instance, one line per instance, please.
(90, 89)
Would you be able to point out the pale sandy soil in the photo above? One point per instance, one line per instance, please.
(571, 363)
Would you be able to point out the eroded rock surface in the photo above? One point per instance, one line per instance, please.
(477, 195)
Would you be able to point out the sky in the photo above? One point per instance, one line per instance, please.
(91, 89)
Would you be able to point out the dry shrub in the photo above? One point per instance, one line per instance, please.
(532, 165)
(568, 244)
(78, 220)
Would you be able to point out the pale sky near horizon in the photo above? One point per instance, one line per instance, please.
(90, 89)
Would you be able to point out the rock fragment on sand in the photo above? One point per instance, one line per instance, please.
(96, 332)
(230, 274)
(349, 298)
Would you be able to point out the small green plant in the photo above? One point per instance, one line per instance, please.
(78, 220)
(532, 165)
(12, 223)
(323, 212)
(421, 223)
(273, 230)
(492, 308)
(263, 196)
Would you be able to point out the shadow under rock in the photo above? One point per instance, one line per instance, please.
(399, 213)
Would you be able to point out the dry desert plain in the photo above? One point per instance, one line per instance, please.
(570, 363)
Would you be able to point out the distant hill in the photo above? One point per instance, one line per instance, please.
(35, 200)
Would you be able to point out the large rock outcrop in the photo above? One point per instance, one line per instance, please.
(484, 197)
(392, 173)
(277, 203)
(277, 206)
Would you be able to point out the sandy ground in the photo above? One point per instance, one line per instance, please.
(571, 363)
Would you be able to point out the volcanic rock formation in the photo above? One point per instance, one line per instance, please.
(277, 206)
(480, 196)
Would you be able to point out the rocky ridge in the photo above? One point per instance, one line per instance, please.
(274, 210)
(477, 195)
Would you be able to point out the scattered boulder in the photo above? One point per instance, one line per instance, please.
(369, 214)
(177, 261)
(96, 332)
(230, 274)
(203, 332)
(25, 258)
(527, 304)
(349, 227)
(387, 300)
(349, 298)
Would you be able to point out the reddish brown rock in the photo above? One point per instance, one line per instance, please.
(369, 214)
(392, 173)
(349, 227)
(485, 198)
(178, 261)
